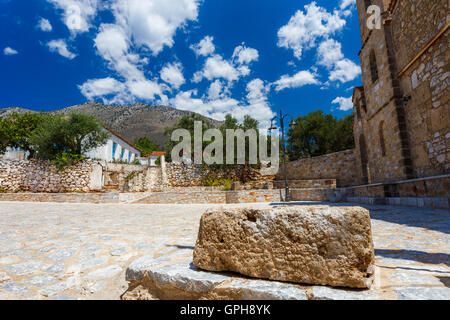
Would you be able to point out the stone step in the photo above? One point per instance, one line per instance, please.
(306, 184)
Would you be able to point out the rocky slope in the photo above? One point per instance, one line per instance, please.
(131, 122)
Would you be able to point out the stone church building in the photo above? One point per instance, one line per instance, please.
(402, 110)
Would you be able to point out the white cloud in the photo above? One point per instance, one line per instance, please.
(345, 70)
(173, 74)
(329, 52)
(147, 26)
(345, 104)
(218, 103)
(217, 68)
(186, 101)
(205, 47)
(304, 28)
(346, 3)
(44, 25)
(77, 14)
(10, 51)
(298, 80)
(244, 55)
(101, 87)
(217, 90)
(145, 89)
(60, 46)
(329, 55)
(152, 24)
(113, 45)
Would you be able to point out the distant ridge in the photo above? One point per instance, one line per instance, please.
(131, 122)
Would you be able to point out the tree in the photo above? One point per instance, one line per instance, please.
(16, 129)
(187, 123)
(64, 139)
(317, 134)
(146, 146)
(344, 133)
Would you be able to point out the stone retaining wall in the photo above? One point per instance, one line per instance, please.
(339, 166)
(306, 184)
(181, 175)
(42, 176)
(132, 178)
(61, 197)
(193, 197)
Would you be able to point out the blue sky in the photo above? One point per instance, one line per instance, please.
(211, 56)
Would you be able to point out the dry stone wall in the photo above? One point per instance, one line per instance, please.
(43, 177)
(339, 166)
(182, 175)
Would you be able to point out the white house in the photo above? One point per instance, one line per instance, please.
(15, 154)
(116, 149)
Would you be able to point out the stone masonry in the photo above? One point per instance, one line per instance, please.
(42, 176)
(402, 116)
(339, 166)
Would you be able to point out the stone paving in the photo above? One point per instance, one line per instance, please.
(81, 251)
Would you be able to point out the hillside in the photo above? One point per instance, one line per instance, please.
(131, 122)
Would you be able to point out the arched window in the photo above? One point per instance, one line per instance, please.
(381, 135)
(373, 66)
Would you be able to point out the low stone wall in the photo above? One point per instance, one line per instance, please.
(254, 196)
(61, 197)
(317, 194)
(340, 166)
(193, 197)
(42, 176)
(306, 184)
(133, 178)
(438, 186)
(182, 175)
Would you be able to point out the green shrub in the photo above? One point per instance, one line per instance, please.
(3, 190)
(65, 160)
(130, 176)
(225, 183)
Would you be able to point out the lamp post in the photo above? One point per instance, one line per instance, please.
(281, 118)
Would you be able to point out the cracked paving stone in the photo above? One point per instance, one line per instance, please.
(61, 255)
(118, 252)
(4, 277)
(327, 293)
(54, 289)
(104, 273)
(14, 288)
(56, 268)
(26, 267)
(9, 260)
(63, 297)
(40, 280)
(413, 278)
(418, 293)
(93, 263)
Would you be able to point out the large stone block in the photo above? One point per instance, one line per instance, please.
(324, 245)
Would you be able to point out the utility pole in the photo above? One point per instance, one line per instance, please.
(281, 118)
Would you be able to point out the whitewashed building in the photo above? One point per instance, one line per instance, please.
(115, 149)
(15, 154)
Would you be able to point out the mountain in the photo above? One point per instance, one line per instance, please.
(131, 122)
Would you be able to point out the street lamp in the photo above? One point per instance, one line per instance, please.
(273, 127)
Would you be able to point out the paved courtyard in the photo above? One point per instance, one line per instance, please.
(81, 251)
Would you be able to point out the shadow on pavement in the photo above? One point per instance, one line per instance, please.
(419, 256)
